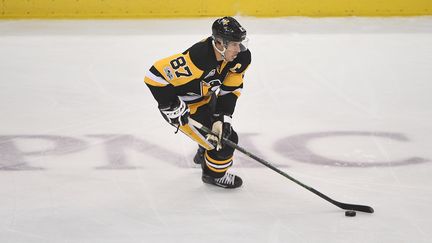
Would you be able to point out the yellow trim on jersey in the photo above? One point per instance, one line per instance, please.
(219, 162)
(193, 133)
(205, 88)
(185, 71)
(233, 79)
(222, 66)
(153, 83)
(194, 106)
(237, 93)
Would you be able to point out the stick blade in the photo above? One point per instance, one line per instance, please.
(355, 207)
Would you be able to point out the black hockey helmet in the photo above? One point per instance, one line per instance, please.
(228, 29)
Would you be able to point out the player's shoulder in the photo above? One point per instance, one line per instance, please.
(241, 62)
(201, 54)
(244, 57)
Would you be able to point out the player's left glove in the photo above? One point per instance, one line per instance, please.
(176, 113)
(221, 128)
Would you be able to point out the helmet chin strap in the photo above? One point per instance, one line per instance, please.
(220, 52)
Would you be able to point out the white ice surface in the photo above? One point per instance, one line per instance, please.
(344, 105)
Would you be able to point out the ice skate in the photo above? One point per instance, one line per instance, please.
(227, 181)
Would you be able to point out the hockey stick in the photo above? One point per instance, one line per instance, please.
(346, 206)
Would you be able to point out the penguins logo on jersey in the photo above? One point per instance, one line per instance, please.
(215, 83)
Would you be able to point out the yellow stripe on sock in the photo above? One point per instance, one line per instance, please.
(219, 162)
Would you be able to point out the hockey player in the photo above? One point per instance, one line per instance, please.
(203, 83)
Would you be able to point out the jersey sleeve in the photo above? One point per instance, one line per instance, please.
(168, 73)
(162, 91)
(232, 85)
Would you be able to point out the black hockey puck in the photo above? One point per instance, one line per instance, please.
(350, 213)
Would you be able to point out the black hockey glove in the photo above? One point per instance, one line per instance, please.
(177, 113)
(222, 128)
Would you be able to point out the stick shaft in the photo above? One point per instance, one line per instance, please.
(346, 206)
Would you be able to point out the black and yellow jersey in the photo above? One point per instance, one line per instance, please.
(195, 75)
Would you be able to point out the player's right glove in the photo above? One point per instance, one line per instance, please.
(221, 128)
(177, 113)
